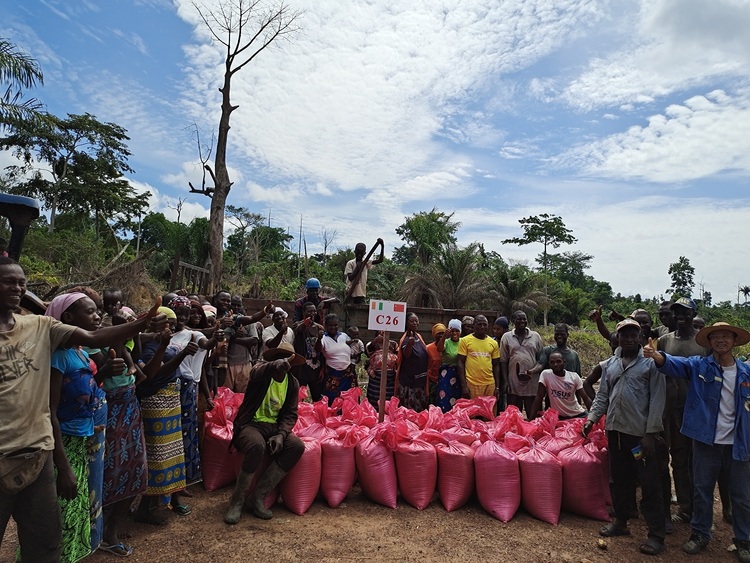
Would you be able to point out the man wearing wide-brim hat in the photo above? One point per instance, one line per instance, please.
(717, 419)
(263, 424)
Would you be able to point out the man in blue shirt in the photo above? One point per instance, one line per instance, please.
(717, 419)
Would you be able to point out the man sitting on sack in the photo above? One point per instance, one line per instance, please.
(263, 424)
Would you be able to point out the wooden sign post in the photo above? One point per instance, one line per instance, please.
(385, 316)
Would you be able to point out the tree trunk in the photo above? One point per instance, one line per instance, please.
(53, 214)
(222, 185)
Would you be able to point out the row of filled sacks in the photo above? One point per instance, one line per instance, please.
(575, 479)
(543, 464)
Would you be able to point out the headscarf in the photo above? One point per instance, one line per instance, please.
(437, 329)
(61, 303)
(179, 301)
(454, 324)
(210, 311)
(128, 313)
(279, 310)
(167, 312)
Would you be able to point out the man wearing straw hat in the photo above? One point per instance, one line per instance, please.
(263, 424)
(717, 419)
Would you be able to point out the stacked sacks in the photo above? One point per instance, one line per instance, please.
(542, 464)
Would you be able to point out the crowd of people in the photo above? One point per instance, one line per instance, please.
(102, 407)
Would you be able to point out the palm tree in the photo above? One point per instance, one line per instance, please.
(745, 291)
(18, 71)
(451, 280)
(518, 288)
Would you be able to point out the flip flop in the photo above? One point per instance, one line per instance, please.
(612, 530)
(117, 549)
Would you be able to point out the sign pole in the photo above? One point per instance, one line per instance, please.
(383, 376)
(385, 316)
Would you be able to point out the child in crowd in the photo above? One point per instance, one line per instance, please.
(564, 389)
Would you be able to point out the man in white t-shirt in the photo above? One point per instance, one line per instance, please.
(278, 332)
(355, 272)
(564, 389)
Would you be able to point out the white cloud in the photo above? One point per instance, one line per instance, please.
(704, 136)
(354, 104)
(675, 45)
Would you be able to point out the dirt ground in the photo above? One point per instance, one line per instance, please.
(360, 530)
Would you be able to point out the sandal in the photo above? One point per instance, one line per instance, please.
(181, 509)
(612, 530)
(117, 549)
(652, 546)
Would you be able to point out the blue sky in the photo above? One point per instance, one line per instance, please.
(631, 120)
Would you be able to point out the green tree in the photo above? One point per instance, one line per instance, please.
(517, 288)
(452, 280)
(83, 160)
(239, 242)
(18, 71)
(550, 231)
(245, 28)
(682, 274)
(425, 234)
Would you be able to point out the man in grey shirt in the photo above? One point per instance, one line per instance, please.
(632, 394)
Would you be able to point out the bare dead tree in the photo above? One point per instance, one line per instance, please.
(328, 236)
(245, 28)
(178, 207)
(204, 155)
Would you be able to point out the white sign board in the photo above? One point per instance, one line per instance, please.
(387, 315)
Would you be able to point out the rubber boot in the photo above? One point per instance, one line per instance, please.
(238, 497)
(271, 477)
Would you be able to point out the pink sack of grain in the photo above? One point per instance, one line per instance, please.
(498, 480)
(556, 444)
(301, 485)
(541, 484)
(377, 469)
(598, 446)
(455, 474)
(339, 470)
(482, 407)
(583, 483)
(220, 462)
(416, 467)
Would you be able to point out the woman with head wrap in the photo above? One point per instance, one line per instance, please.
(162, 417)
(374, 350)
(448, 385)
(78, 410)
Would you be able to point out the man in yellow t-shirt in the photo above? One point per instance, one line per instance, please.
(479, 362)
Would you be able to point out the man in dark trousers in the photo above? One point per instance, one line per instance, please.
(263, 424)
(717, 419)
(632, 394)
